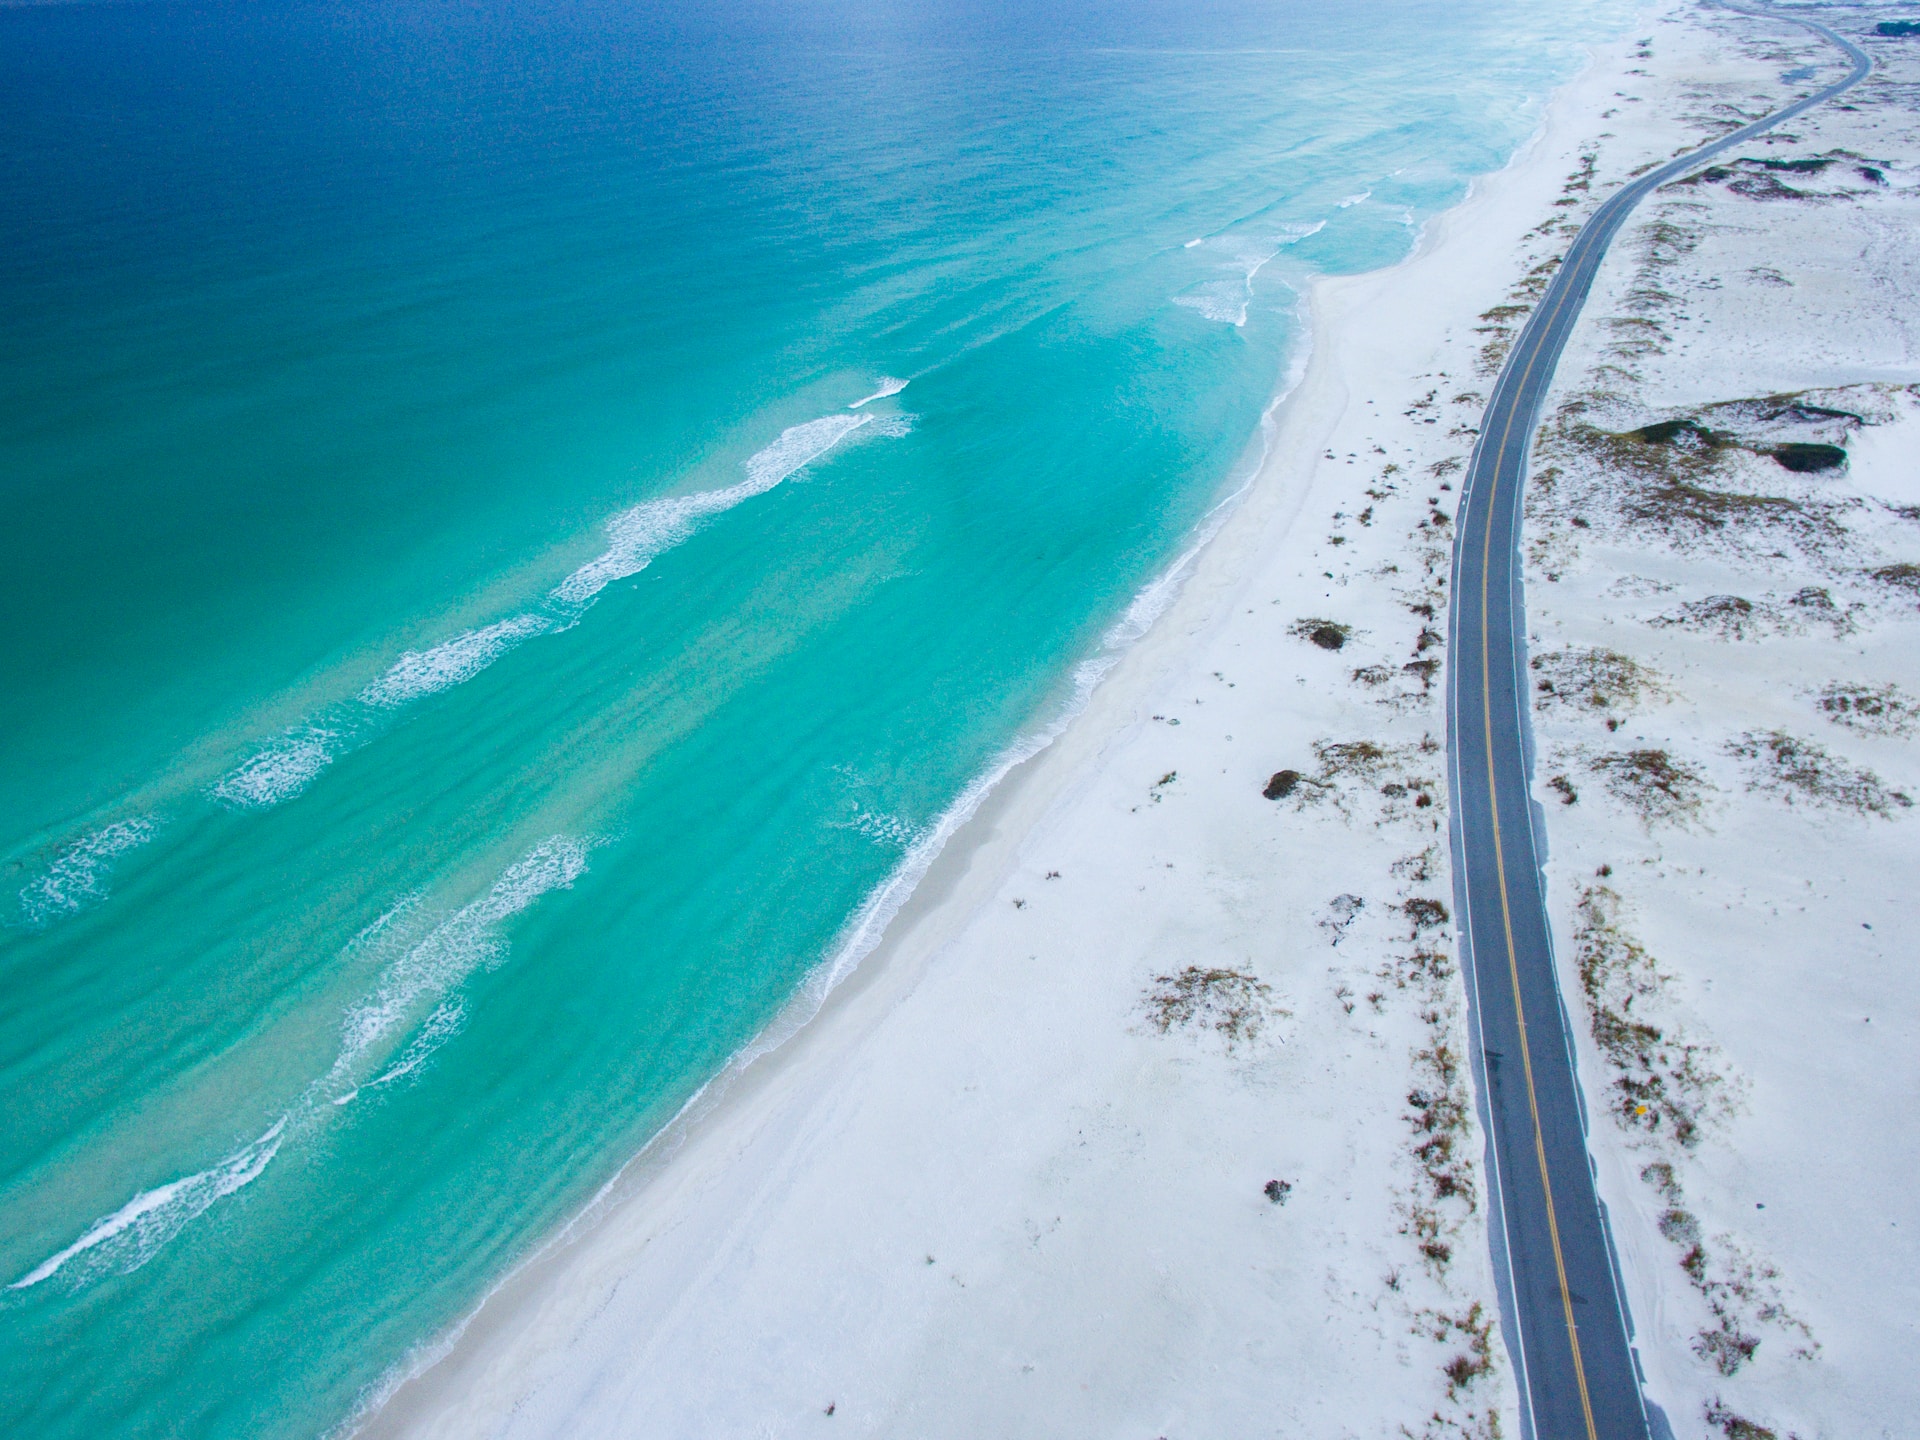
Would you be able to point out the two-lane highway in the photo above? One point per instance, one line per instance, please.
(1566, 1320)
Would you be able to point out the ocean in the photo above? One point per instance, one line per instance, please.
(527, 523)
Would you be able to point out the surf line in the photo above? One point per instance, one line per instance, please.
(426, 966)
(888, 384)
(285, 766)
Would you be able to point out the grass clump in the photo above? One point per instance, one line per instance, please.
(1360, 758)
(1874, 710)
(1327, 634)
(1653, 784)
(1797, 769)
(1232, 1003)
(1814, 605)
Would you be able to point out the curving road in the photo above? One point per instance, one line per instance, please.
(1566, 1321)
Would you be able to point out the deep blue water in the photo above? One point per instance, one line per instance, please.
(465, 660)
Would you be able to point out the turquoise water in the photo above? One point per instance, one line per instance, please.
(471, 652)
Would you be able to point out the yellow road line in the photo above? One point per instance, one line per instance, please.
(1506, 911)
(1493, 793)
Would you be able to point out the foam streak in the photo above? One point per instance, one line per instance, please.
(635, 538)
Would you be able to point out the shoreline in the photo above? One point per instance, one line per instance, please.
(514, 1344)
(875, 925)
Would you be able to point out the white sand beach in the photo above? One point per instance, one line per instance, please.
(1150, 1115)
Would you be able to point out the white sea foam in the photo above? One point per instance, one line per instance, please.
(442, 1025)
(281, 771)
(78, 874)
(798, 446)
(865, 928)
(133, 1234)
(1219, 301)
(1352, 200)
(894, 830)
(419, 673)
(635, 537)
(425, 970)
(460, 944)
(1225, 301)
(888, 384)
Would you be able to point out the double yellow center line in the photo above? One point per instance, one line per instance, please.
(1562, 290)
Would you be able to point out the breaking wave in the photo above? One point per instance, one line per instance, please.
(125, 1240)
(429, 968)
(1225, 300)
(281, 771)
(635, 538)
(419, 673)
(424, 973)
(889, 385)
(78, 874)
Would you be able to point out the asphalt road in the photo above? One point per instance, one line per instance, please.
(1568, 1331)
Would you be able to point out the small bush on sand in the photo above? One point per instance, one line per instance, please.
(1284, 783)
(1327, 634)
(1797, 769)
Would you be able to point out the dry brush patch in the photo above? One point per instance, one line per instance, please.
(1444, 1196)
(1670, 480)
(1594, 681)
(1742, 1293)
(1654, 785)
(1872, 709)
(1689, 479)
(1665, 1084)
(1734, 617)
(1233, 1004)
(1802, 770)
(1440, 1111)
(1397, 773)
(1736, 1426)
